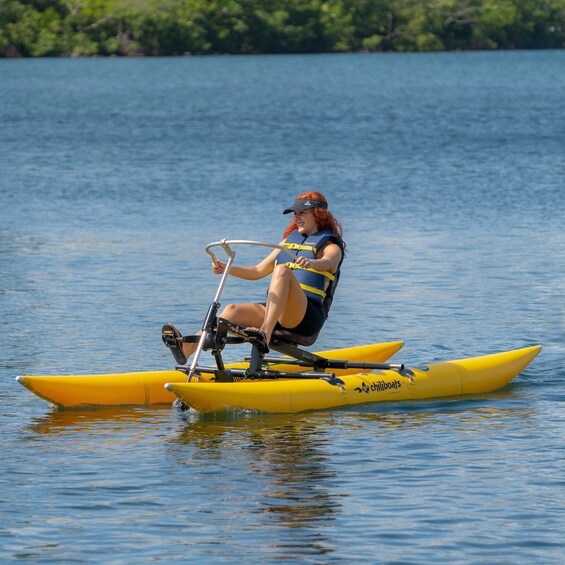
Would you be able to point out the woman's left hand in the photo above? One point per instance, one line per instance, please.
(304, 262)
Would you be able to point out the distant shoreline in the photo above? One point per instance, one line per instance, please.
(209, 55)
(123, 28)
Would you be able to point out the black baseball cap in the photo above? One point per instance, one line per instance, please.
(306, 204)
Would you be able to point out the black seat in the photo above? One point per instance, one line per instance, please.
(286, 336)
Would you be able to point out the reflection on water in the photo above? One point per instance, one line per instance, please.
(98, 420)
(287, 456)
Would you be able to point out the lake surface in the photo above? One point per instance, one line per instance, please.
(447, 172)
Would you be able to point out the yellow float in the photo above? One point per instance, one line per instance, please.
(475, 375)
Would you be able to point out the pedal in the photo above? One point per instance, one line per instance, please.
(172, 338)
(169, 338)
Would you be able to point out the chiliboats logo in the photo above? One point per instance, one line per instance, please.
(379, 386)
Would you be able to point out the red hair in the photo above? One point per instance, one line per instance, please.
(324, 218)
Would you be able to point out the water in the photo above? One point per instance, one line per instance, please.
(446, 171)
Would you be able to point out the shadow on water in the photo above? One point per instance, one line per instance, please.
(449, 415)
(468, 414)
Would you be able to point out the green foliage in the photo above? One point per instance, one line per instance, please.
(38, 28)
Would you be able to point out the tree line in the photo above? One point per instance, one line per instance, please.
(48, 28)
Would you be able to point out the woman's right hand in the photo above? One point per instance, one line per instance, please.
(218, 267)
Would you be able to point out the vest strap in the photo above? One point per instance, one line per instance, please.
(313, 290)
(298, 247)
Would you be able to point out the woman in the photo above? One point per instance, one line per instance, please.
(300, 291)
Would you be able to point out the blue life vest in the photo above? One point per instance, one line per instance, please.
(311, 281)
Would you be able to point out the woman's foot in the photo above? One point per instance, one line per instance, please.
(172, 338)
(258, 338)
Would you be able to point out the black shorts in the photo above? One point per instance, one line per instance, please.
(312, 322)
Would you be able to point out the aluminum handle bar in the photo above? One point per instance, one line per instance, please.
(225, 245)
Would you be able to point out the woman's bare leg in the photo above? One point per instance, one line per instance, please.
(286, 302)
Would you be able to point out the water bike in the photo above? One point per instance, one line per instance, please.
(296, 380)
